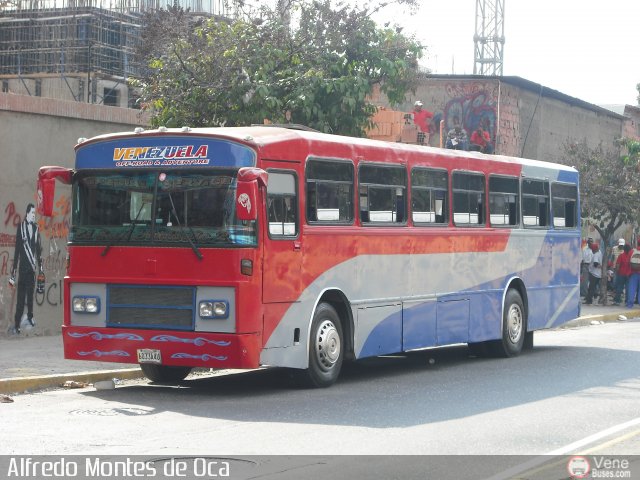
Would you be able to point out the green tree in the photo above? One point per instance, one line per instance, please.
(609, 190)
(317, 70)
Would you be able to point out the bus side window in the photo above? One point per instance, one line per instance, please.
(383, 193)
(564, 199)
(504, 197)
(429, 192)
(535, 203)
(282, 205)
(468, 198)
(330, 184)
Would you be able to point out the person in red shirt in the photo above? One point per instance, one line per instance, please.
(623, 270)
(481, 140)
(422, 118)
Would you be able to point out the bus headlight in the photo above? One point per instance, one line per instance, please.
(214, 309)
(86, 304)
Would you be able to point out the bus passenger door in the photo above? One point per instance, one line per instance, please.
(282, 257)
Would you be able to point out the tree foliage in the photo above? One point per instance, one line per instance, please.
(609, 188)
(317, 70)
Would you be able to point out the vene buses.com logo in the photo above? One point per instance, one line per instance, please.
(578, 467)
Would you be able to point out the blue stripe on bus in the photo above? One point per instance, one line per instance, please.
(431, 323)
(164, 152)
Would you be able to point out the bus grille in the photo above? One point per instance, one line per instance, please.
(135, 306)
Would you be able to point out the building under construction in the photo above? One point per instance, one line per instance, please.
(81, 50)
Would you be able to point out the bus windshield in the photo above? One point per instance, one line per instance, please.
(174, 208)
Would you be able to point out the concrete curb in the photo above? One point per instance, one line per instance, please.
(605, 317)
(26, 384)
(35, 383)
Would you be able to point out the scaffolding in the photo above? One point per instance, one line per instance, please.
(211, 7)
(489, 38)
(77, 42)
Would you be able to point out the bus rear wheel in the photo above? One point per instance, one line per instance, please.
(164, 373)
(326, 349)
(514, 327)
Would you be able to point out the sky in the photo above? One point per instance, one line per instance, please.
(586, 49)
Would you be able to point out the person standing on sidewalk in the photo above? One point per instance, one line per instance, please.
(27, 263)
(595, 273)
(623, 270)
(587, 255)
(634, 278)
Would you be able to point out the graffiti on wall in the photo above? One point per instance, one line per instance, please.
(32, 263)
(474, 104)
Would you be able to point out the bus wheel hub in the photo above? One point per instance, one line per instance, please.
(327, 344)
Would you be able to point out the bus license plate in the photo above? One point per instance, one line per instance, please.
(148, 355)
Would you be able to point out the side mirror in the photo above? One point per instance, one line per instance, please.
(46, 187)
(250, 179)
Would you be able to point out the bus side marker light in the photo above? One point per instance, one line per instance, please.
(246, 267)
(215, 309)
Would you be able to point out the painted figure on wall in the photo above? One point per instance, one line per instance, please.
(475, 106)
(27, 273)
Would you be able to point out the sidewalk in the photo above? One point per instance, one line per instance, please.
(35, 363)
(31, 363)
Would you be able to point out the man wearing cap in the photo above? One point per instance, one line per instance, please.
(618, 250)
(422, 118)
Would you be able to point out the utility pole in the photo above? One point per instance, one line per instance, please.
(489, 37)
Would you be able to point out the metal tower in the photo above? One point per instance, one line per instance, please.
(489, 37)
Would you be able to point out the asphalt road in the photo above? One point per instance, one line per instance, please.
(577, 391)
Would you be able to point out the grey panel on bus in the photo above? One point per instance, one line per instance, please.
(90, 319)
(227, 325)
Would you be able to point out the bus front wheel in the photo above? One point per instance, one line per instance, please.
(514, 327)
(326, 349)
(164, 373)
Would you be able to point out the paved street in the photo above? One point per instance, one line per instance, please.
(577, 384)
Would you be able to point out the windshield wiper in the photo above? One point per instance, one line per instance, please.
(193, 245)
(129, 232)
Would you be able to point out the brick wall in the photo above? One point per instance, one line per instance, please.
(524, 118)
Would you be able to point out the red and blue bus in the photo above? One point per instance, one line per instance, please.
(269, 246)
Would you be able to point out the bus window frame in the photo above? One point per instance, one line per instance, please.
(545, 181)
(485, 207)
(360, 185)
(446, 209)
(575, 206)
(516, 179)
(283, 237)
(312, 158)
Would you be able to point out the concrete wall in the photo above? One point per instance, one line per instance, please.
(35, 132)
(524, 118)
(535, 126)
(70, 87)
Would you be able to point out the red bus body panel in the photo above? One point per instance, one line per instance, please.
(274, 306)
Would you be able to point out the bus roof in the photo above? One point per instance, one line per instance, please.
(266, 139)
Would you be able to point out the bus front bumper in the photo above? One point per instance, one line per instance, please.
(166, 347)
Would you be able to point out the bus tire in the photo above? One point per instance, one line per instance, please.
(164, 373)
(326, 349)
(514, 327)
